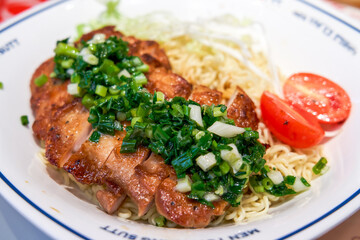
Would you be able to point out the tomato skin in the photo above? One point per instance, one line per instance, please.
(319, 96)
(288, 125)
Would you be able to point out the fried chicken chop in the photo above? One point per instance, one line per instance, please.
(61, 120)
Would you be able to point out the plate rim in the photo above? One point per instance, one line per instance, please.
(324, 9)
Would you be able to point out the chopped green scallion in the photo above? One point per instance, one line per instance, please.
(75, 78)
(224, 167)
(24, 120)
(160, 221)
(140, 79)
(128, 146)
(267, 183)
(303, 180)
(101, 90)
(142, 110)
(290, 180)
(92, 47)
(133, 112)
(182, 163)
(218, 113)
(41, 80)
(160, 97)
(319, 166)
(143, 68)
(88, 100)
(114, 89)
(108, 67)
(161, 134)
(95, 137)
(67, 63)
(259, 189)
(135, 120)
(65, 49)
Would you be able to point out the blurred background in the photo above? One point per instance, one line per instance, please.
(9, 8)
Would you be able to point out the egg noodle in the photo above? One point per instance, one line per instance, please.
(221, 64)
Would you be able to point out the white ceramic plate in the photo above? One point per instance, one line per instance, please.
(304, 36)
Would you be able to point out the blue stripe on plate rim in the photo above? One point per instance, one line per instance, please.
(84, 237)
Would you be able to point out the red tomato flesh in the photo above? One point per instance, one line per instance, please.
(289, 126)
(319, 96)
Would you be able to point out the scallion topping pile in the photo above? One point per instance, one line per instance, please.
(212, 157)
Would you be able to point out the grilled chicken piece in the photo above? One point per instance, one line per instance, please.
(152, 172)
(46, 98)
(182, 210)
(45, 103)
(108, 31)
(119, 169)
(85, 164)
(152, 62)
(45, 68)
(149, 51)
(205, 96)
(242, 109)
(109, 201)
(69, 129)
(169, 83)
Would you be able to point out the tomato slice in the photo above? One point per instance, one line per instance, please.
(319, 96)
(300, 130)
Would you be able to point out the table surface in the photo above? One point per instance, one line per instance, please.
(9, 217)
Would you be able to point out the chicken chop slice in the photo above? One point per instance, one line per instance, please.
(47, 98)
(242, 110)
(85, 164)
(180, 209)
(152, 172)
(68, 130)
(109, 201)
(119, 169)
(169, 83)
(205, 96)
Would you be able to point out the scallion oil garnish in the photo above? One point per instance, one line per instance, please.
(24, 120)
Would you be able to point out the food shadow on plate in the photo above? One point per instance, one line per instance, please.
(80, 191)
